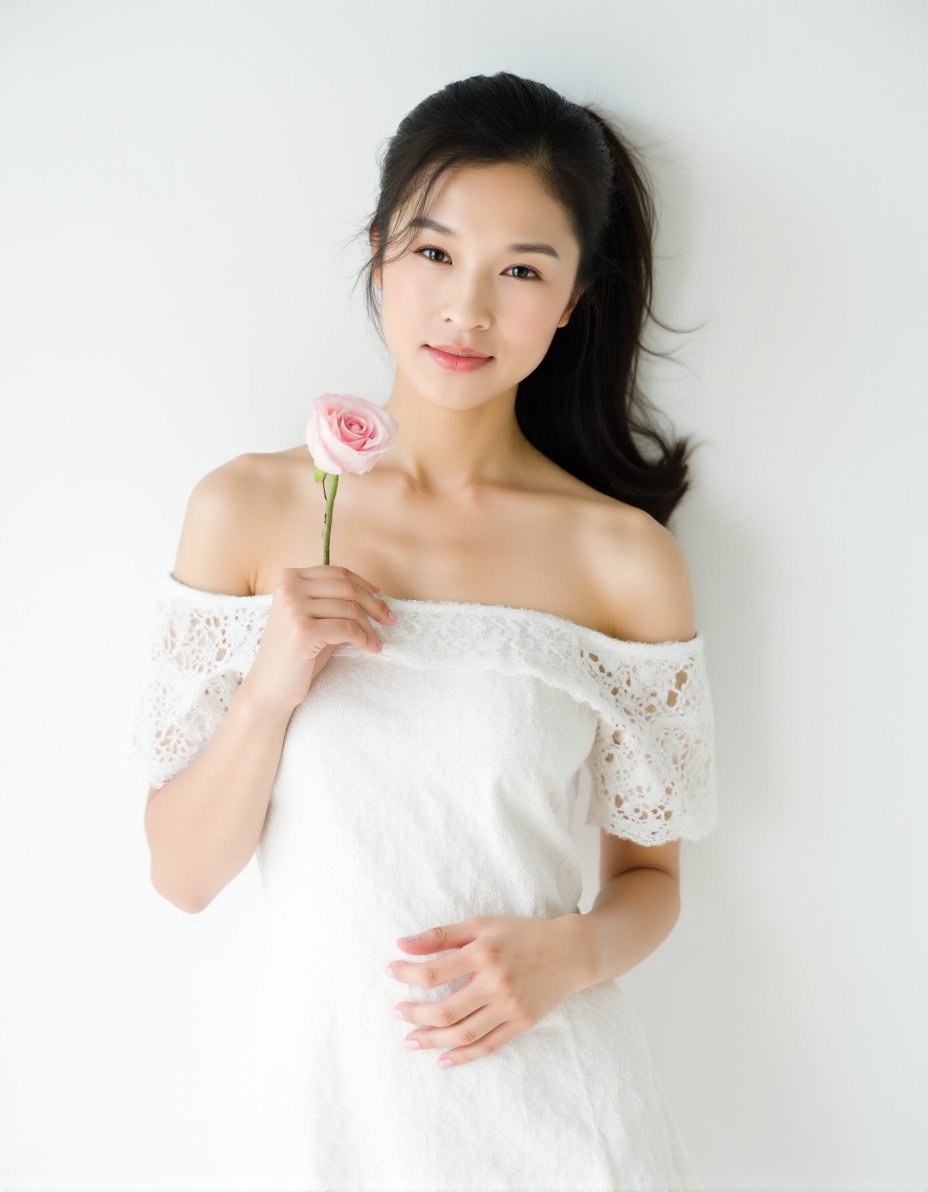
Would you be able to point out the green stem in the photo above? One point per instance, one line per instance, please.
(329, 508)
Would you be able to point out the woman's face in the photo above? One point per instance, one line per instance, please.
(470, 287)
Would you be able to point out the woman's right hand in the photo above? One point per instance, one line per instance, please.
(313, 610)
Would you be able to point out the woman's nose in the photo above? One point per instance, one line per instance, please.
(467, 305)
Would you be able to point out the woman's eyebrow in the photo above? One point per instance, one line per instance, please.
(425, 222)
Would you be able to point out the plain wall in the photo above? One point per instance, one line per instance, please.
(179, 189)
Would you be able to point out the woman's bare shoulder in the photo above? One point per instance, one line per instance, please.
(643, 577)
(226, 510)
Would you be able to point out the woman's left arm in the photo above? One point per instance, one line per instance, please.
(521, 968)
(632, 915)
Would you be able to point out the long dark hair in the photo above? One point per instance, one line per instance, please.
(581, 406)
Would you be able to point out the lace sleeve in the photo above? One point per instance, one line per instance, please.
(652, 762)
(201, 645)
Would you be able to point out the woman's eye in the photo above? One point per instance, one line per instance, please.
(530, 269)
(431, 248)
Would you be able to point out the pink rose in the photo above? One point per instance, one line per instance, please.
(347, 434)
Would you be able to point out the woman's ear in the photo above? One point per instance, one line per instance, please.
(569, 310)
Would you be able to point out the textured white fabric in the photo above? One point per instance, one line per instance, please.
(429, 783)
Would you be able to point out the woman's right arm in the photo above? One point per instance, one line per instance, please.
(204, 824)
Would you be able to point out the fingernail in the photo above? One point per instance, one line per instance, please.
(399, 1014)
(391, 615)
(412, 1044)
(445, 1063)
(408, 939)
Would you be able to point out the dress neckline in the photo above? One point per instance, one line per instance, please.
(531, 613)
(260, 599)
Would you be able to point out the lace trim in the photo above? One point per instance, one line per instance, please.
(652, 762)
(201, 645)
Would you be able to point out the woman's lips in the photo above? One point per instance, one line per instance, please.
(457, 363)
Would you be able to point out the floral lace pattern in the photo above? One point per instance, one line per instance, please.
(653, 760)
(201, 645)
(652, 763)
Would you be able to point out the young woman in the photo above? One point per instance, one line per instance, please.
(398, 735)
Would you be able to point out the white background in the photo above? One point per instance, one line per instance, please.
(181, 185)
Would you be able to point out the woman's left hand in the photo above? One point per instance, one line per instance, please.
(519, 968)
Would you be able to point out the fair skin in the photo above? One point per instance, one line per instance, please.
(458, 431)
(463, 508)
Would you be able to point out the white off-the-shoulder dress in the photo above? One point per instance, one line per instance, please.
(420, 786)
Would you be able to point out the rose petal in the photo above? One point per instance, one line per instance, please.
(347, 433)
